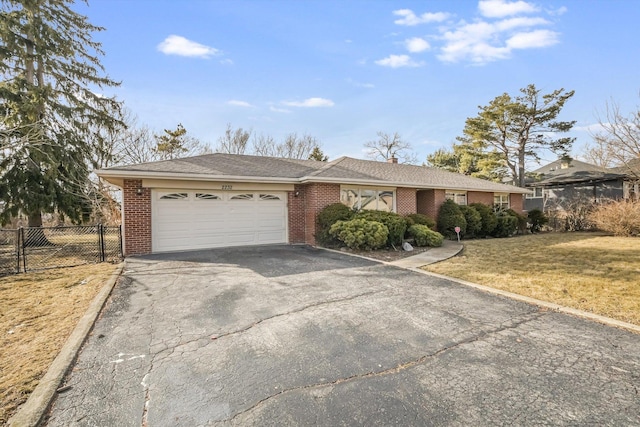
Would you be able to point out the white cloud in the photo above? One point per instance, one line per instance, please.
(522, 22)
(533, 39)
(279, 110)
(592, 128)
(310, 103)
(416, 44)
(557, 12)
(226, 62)
(178, 45)
(410, 19)
(237, 103)
(360, 84)
(502, 8)
(397, 61)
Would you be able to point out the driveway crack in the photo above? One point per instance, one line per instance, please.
(510, 324)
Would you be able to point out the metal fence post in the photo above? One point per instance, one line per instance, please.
(24, 255)
(100, 243)
(120, 238)
(17, 248)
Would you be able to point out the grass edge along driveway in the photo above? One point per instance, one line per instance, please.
(38, 312)
(588, 271)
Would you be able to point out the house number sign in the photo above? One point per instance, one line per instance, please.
(226, 187)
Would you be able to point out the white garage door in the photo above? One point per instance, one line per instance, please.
(183, 220)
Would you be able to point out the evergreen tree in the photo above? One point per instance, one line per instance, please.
(50, 106)
(517, 128)
(318, 155)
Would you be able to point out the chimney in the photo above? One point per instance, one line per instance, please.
(392, 160)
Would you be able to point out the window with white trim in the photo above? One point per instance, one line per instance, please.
(248, 196)
(460, 197)
(368, 199)
(269, 197)
(174, 196)
(207, 196)
(500, 201)
(537, 193)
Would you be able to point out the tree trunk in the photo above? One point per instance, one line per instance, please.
(34, 236)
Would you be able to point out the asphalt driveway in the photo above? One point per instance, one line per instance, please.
(287, 335)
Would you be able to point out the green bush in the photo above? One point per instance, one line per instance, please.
(420, 219)
(423, 236)
(474, 221)
(329, 216)
(449, 217)
(522, 220)
(537, 219)
(488, 219)
(506, 226)
(359, 233)
(396, 224)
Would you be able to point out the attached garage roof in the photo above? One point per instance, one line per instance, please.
(344, 170)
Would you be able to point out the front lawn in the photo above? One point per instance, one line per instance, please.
(588, 271)
(38, 312)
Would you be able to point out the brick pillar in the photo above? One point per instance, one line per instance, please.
(296, 204)
(137, 218)
(516, 201)
(406, 202)
(317, 196)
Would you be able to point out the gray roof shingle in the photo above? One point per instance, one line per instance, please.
(344, 169)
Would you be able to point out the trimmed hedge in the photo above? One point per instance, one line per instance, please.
(359, 233)
(449, 217)
(506, 226)
(329, 216)
(538, 219)
(424, 236)
(474, 221)
(420, 219)
(487, 217)
(396, 224)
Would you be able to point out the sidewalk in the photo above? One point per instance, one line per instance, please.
(447, 250)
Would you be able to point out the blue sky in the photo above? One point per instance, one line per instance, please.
(343, 70)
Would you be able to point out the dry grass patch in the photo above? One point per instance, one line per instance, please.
(38, 312)
(588, 271)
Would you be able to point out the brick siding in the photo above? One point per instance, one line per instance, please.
(516, 201)
(480, 197)
(429, 202)
(296, 211)
(406, 201)
(137, 218)
(317, 196)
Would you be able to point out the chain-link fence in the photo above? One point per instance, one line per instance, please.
(9, 252)
(38, 248)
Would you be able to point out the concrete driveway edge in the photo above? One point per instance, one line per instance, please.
(551, 306)
(32, 411)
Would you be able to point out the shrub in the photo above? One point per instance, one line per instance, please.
(396, 224)
(488, 219)
(450, 217)
(421, 219)
(622, 218)
(329, 216)
(423, 236)
(506, 225)
(474, 221)
(537, 219)
(359, 233)
(522, 220)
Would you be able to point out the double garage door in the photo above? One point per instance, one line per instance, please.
(184, 220)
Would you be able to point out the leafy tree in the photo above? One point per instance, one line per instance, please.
(517, 128)
(469, 160)
(318, 155)
(49, 105)
(233, 141)
(388, 147)
(174, 144)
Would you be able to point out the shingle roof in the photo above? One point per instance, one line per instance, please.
(556, 168)
(345, 170)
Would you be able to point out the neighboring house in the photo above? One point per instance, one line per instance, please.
(564, 181)
(631, 185)
(218, 200)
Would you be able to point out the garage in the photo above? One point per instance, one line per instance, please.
(185, 220)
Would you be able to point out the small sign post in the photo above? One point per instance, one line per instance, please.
(457, 229)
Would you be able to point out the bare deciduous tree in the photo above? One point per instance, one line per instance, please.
(293, 147)
(388, 147)
(619, 137)
(233, 141)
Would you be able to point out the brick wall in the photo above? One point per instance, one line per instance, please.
(517, 202)
(406, 201)
(317, 196)
(296, 205)
(480, 197)
(429, 202)
(137, 218)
